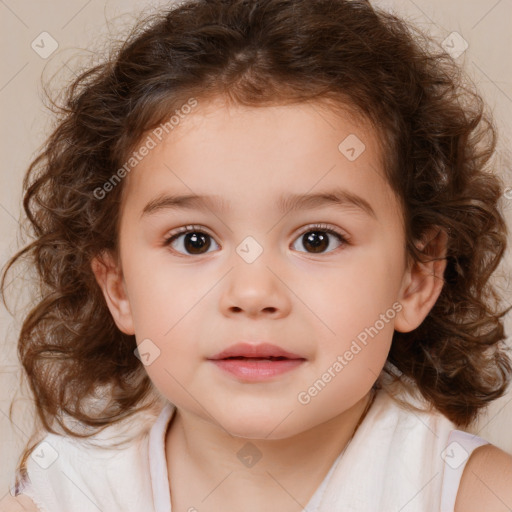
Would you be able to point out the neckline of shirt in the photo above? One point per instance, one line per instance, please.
(158, 463)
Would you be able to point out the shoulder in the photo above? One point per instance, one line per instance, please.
(19, 504)
(486, 483)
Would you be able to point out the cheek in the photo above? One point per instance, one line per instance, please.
(162, 294)
(163, 304)
(356, 307)
(354, 297)
(174, 362)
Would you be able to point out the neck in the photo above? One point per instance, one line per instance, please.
(200, 455)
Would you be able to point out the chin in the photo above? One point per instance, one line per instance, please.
(259, 427)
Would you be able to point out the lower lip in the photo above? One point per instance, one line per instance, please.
(255, 370)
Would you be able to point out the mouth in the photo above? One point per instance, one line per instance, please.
(255, 351)
(270, 358)
(256, 363)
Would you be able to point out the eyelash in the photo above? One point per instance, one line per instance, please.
(343, 239)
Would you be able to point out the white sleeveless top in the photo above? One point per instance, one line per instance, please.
(397, 460)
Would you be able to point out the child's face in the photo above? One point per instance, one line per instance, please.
(310, 296)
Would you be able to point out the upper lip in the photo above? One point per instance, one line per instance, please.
(255, 350)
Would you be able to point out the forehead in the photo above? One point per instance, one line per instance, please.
(245, 155)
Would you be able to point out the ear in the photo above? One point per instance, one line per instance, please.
(110, 279)
(423, 282)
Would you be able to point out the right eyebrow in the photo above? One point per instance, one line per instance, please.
(186, 202)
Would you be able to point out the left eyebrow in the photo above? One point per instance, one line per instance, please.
(286, 203)
(338, 197)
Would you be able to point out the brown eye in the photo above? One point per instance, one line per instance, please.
(190, 242)
(318, 240)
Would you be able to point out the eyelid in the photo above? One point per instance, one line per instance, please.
(305, 229)
(324, 227)
(186, 229)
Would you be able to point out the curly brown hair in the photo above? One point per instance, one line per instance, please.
(433, 124)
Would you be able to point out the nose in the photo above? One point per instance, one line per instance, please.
(255, 290)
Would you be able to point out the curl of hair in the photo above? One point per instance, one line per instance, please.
(437, 140)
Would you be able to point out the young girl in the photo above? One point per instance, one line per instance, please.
(265, 232)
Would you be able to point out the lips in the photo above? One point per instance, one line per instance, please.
(256, 363)
(259, 351)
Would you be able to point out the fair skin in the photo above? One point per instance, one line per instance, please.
(192, 306)
(485, 482)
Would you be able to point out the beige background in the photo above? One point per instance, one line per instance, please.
(484, 24)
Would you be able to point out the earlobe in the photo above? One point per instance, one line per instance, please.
(423, 281)
(110, 279)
